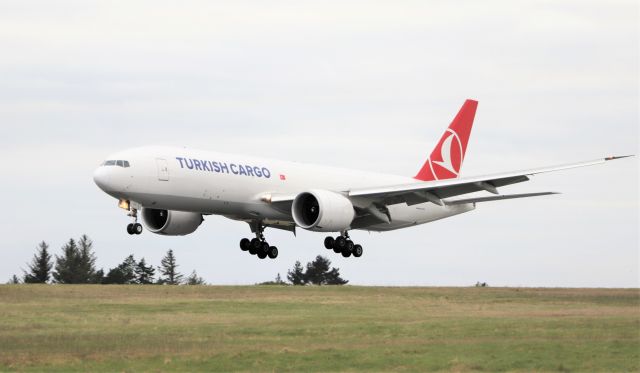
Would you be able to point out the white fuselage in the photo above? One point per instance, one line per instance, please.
(239, 187)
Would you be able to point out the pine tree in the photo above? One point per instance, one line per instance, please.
(14, 280)
(333, 278)
(194, 279)
(40, 266)
(128, 268)
(297, 276)
(66, 268)
(98, 278)
(168, 269)
(86, 261)
(318, 273)
(144, 273)
(77, 263)
(124, 273)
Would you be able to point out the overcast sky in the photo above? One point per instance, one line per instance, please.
(360, 84)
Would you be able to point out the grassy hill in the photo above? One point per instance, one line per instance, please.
(274, 328)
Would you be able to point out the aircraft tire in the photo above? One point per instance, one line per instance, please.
(349, 246)
(328, 242)
(264, 247)
(340, 243)
(245, 243)
(262, 255)
(137, 228)
(273, 252)
(357, 251)
(130, 228)
(346, 253)
(254, 246)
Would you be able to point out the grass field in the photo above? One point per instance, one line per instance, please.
(274, 328)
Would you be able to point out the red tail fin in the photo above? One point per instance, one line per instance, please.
(446, 159)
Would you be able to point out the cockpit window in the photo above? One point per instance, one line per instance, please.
(119, 163)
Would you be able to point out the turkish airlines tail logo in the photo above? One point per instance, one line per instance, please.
(446, 158)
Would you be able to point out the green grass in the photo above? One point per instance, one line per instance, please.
(273, 328)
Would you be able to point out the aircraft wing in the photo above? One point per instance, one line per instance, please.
(438, 191)
(371, 201)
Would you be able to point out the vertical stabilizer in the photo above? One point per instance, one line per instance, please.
(445, 161)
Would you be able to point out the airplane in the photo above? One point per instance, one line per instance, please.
(173, 188)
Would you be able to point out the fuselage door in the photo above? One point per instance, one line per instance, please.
(163, 169)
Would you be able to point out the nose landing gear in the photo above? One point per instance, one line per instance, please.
(135, 227)
(343, 245)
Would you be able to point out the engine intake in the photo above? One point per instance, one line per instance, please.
(322, 211)
(171, 223)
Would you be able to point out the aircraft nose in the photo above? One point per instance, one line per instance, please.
(101, 178)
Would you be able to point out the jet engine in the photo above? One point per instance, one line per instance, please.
(322, 211)
(171, 223)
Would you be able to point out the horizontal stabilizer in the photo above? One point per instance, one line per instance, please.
(497, 198)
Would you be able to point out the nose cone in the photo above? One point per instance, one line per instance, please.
(102, 179)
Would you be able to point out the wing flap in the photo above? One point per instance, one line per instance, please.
(498, 198)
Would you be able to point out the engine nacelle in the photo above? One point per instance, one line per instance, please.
(171, 223)
(322, 211)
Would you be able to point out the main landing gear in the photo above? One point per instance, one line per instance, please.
(343, 245)
(259, 246)
(135, 227)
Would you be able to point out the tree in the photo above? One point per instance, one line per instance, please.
(297, 276)
(14, 280)
(86, 261)
(40, 266)
(66, 269)
(318, 273)
(99, 277)
(194, 279)
(333, 277)
(124, 273)
(77, 263)
(168, 269)
(279, 280)
(144, 273)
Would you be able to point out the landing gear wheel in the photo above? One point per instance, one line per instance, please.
(340, 244)
(130, 229)
(264, 247)
(329, 242)
(245, 244)
(357, 251)
(273, 252)
(350, 246)
(346, 253)
(137, 228)
(254, 246)
(262, 254)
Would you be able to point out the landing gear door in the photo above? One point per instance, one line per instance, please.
(163, 169)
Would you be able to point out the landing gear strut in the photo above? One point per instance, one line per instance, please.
(343, 245)
(135, 227)
(259, 245)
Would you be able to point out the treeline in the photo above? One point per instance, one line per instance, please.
(77, 265)
(317, 272)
